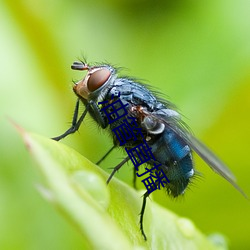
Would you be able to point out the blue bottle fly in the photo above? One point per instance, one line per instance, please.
(155, 120)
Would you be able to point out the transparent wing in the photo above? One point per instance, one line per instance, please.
(175, 124)
(211, 159)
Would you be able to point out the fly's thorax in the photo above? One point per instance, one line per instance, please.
(94, 84)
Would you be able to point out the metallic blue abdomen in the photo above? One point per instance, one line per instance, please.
(176, 159)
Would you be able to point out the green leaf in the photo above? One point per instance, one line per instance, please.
(106, 216)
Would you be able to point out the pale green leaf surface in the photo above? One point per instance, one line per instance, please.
(107, 216)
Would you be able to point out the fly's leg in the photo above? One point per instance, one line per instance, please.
(117, 168)
(134, 178)
(95, 110)
(105, 155)
(144, 201)
(75, 124)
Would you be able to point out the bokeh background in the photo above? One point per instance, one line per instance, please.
(195, 52)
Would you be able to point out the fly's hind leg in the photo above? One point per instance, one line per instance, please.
(144, 201)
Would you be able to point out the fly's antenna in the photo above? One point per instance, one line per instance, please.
(80, 66)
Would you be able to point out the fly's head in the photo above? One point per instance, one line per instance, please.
(96, 79)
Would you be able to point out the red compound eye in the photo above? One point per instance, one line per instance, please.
(97, 79)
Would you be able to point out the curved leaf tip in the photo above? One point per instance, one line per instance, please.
(107, 216)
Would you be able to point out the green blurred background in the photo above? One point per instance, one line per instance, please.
(195, 52)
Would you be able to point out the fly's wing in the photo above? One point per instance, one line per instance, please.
(212, 160)
(174, 123)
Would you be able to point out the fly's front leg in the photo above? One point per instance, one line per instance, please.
(75, 124)
(98, 114)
